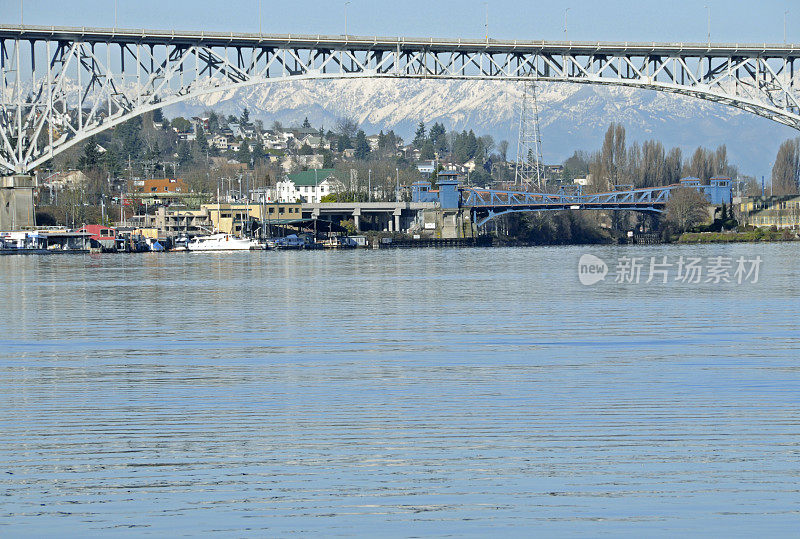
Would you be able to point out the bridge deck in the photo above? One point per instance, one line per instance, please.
(234, 39)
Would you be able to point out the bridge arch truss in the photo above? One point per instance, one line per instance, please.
(59, 86)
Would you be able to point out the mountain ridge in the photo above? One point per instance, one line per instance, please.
(572, 116)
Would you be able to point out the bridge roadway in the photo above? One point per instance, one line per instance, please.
(61, 85)
(396, 215)
(377, 43)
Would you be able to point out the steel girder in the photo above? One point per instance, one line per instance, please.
(59, 86)
(492, 203)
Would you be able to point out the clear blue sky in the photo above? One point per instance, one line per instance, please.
(612, 20)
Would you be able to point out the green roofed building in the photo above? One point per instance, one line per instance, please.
(309, 185)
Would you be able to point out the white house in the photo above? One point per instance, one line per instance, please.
(309, 185)
(219, 141)
(374, 142)
(314, 141)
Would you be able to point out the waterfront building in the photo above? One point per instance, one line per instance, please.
(309, 185)
(228, 218)
(171, 223)
(769, 211)
(104, 236)
(236, 218)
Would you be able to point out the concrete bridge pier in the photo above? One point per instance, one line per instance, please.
(397, 214)
(357, 219)
(16, 202)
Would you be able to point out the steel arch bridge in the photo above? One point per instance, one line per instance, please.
(59, 86)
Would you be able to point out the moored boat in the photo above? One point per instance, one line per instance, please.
(221, 242)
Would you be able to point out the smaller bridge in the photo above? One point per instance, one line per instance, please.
(486, 204)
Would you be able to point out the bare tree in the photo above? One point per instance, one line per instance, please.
(786, 170)
(347, 126)
(613, 154)
(674, 165)
(686, 208)
(502, 149)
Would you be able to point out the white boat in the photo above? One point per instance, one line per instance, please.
(222, 242)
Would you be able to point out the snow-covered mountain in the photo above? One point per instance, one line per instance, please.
(572, 116)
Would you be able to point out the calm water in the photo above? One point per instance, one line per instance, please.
(397, 393)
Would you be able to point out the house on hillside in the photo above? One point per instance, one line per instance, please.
(200, 121)
(301, 132)
(314, 141)
(219, 142)
(374, 142)
(164, 185)
(60, 180)
(309, 185)
(273, 140)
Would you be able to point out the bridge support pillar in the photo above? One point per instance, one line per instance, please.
(16, 202)
(397, 214)
(357, 219)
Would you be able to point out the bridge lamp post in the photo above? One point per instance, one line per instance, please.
(785, 14)
(486, 21)
(566, 38)
(345, 18)
(708, 9)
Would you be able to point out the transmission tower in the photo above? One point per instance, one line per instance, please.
(529, 171)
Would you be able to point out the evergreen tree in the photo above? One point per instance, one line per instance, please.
(153, 153)
(244, 120)
(244, 152)
(419, 136)
(111, 161)
(258, 150)
(343, 143)
(213, 121)
(327, 159)
(181, 124)
(472, 144)
(438, 138)
(158, 116)
(362, 146)
(184, 154)
(91, 156)
(202, 142)
(427, 151)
